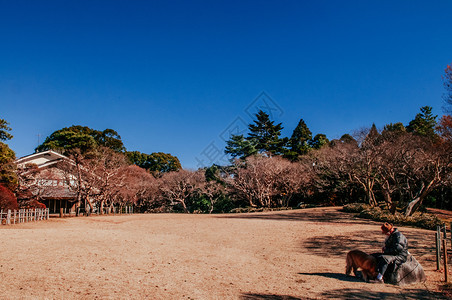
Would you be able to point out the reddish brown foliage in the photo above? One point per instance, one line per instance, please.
(34, 204)
(445, 127)
(7, 199)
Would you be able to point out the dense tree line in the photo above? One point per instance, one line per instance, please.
(399, 167)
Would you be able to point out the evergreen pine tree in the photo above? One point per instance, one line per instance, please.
(424, 123)
(264, 134)
(318, 141)
(300, 138)
(240, 147)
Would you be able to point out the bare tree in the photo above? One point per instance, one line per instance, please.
(132, 184)
(254, 180)
(76, 177)
(268, 181)
(430, 167)
(343, 165)
(100, 172)
(177, 187)
(294, 178)
(211, 190)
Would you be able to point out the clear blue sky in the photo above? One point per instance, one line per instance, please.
(179, 76)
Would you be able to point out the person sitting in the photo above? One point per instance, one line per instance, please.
(394, 251)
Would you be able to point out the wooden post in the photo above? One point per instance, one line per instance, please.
(8, 217)
(445, 261)
(61, 212)
(438, 257)
(450, 232)
(438, 230)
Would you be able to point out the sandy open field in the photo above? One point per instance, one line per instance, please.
(279, 255)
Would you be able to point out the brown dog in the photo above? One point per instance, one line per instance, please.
(367, 263)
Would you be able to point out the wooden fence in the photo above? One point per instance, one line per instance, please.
(9, 217)
(118, 210)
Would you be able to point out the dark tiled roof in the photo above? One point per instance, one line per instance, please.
(58, 192)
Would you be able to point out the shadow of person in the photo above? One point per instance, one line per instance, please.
(338, 276)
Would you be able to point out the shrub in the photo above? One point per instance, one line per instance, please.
(224, 204)
(418, 219)
(33, 204)
(355, 207)
(7, 199)
(257, 209)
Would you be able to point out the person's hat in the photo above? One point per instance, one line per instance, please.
(386, 227)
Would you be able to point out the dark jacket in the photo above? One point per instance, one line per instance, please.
(397, 245)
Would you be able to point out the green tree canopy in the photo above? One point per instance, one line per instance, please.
(83, 138)
(396, 127)
(110, 139)
(156, 163)
(8, 175)
(240, 147)
(4, 128)
(319, 141)
(348, 139)
(424, 123)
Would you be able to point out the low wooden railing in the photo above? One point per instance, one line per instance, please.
(8, 217)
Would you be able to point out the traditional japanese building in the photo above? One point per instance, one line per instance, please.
(46, 182)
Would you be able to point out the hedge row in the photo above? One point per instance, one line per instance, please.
(418, 219)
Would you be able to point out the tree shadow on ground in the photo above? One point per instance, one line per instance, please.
(340, 245)
(355, 294)
(253, 296)
(338, 276)
(329, 215)
(421, 245)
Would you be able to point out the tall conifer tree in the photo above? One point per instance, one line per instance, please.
(266, 135)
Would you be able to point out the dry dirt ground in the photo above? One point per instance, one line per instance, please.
(297, 254)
